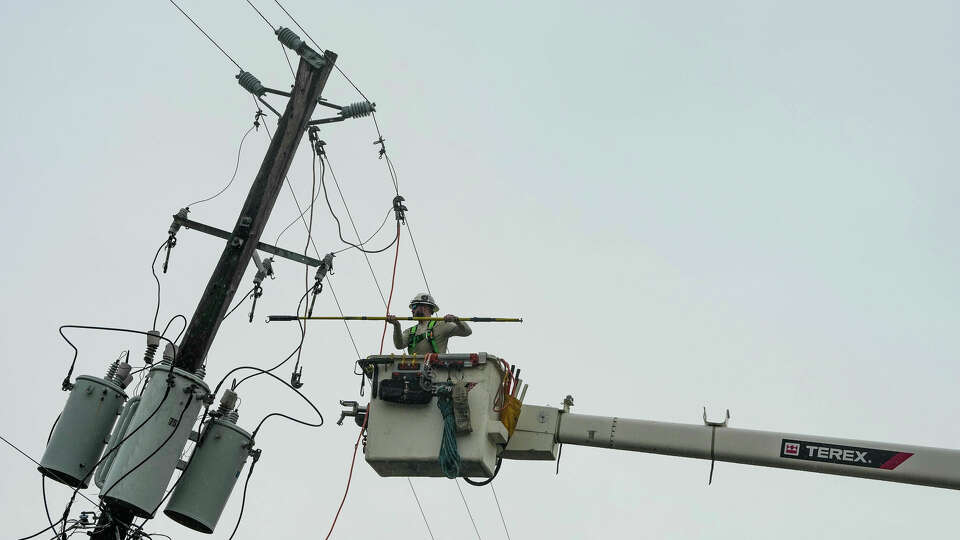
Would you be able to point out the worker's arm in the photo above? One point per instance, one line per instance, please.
(399, 336)
(456, 327)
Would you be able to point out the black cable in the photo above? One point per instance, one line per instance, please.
(285, 360)
(243, 500)
(417, 253)
(38, 533)
(182, 330)
(232, 178)
(502, 520)
(43, 479)
(153, 270)
(272, 28)
(245, 296)
(339, 226)
(73, 363)
(496, 470)
(206, 34)
(294, 195)
(283, 382)
(369, 238)
(173, 432)
(469, 513)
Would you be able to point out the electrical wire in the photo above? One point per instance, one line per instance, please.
(367, 416)
(243, 500)
(350, 475)
(467, 506)
(272, 28)
(502, 520)
(335, 218)
(232, 177)
(281, 381)
(417, 253)
(206, 34)
(321, 49)
(73, 363)
(37, 463)
(422, 514)
(173, 432)
(153, 270)
(242, 300)
(285, 360)
(182, 330)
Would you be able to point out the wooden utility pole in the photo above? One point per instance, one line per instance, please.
(256, 210)
(222, 287)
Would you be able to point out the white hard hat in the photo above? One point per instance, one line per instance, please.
(425, 299)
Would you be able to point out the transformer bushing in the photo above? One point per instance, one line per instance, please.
(202, 491)
(145, 461)
(82, 430)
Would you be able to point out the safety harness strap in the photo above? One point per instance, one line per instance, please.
(417, 338)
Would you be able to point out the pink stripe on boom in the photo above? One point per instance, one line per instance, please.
(896, 460)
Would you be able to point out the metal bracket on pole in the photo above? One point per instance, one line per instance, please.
(266, 248)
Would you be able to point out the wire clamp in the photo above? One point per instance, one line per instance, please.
(172, 235)
(295, 378)
(383, 147)
(713, 439)
(400, 209)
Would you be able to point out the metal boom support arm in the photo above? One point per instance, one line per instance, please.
(926, 466)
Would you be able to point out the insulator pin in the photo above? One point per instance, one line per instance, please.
(250, 83)
(289, 38)
(358, 109)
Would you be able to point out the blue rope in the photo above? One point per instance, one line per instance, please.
(449, 454)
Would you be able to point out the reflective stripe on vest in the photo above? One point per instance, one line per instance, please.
(417, 338)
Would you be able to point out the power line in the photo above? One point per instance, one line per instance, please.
(421, 508)
(369, 265)
(504, 521)
(417, 253)
(232, 178)
(272, 28)
(206, 34)
(467, 506)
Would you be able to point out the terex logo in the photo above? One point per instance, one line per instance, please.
(843, 455)
(837, 454)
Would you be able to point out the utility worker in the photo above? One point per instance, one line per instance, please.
(427, 336)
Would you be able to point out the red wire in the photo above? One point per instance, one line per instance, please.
(366, 417)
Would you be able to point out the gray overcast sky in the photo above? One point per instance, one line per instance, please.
(744, 205)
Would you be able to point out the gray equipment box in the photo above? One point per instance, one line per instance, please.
(404, 439)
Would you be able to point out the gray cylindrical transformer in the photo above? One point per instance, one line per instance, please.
(118, 432)
(203, 489)
(146, 460)
(81, 433)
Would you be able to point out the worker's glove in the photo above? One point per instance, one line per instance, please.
(451, 318)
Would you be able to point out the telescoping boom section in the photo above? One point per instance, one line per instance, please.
(715, 441)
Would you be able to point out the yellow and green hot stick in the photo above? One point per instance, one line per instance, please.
(382, 318)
